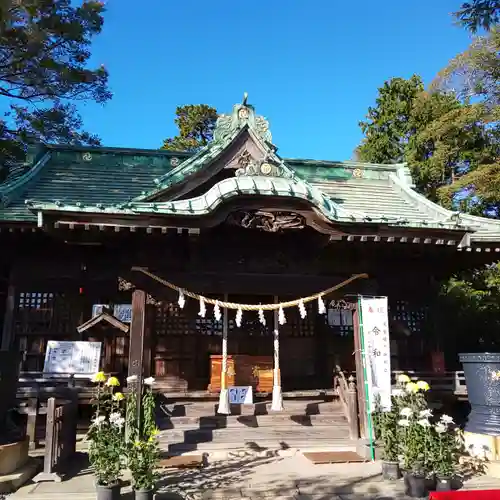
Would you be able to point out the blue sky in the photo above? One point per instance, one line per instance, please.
(311, 67)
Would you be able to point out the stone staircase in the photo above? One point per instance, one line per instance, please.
(195, 427)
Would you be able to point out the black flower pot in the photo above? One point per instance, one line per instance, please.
(390, 471)
(443, 483)
(144, 494)
(108, 492)
(415, 486)
(483, 391)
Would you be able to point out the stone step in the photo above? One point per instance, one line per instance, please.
(294, 407)
(258, 447)
(235, 435)
(252, 421)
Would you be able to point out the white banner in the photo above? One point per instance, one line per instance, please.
(377, 350)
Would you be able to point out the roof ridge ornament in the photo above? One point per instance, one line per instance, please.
(242, 114)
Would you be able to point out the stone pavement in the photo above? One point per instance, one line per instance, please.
(248, 477)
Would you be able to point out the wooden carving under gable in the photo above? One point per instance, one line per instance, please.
(271, 222)
(124, 286)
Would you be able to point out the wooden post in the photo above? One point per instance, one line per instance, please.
(136, 342)
(8, 323)
(352, 405)
(33, 407)
(51, 438)
(360, 376)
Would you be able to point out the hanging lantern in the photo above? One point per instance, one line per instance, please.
(182, 299)
(203, 308)
(262, 318)
(321, 305)
(281, 316)
(239, 316)
(302, 309)
(217, 313)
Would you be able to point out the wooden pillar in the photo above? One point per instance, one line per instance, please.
(8, 322)
(360, 376)
(136, 342)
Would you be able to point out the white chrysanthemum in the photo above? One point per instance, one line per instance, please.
(99, 420)
(397, 392)
(406, 412)
(425, 413)
(132, 378)
(403, 378)
(423, 422)
(440, 428)
(446, 419)
(404, 422)
(149, 381)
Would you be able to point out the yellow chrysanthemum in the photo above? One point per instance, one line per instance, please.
(411, 387)
(118, 396)
(99, 377)
(422, 385)
(403, 378)
(113, 382)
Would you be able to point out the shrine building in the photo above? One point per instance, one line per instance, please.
(92, 238)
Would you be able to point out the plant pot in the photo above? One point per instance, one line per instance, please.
(109, 492)
(390, 470)
(415, 486)
(483, 392)
(144, 494)
(443, 483)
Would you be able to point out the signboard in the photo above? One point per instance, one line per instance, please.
(377, 350)
(241, 395)
(80, 358)
(122, 312)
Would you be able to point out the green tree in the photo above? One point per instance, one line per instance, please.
(387, 125)
(440, 137)
(44, 53)
(196, 124)
(479, 14)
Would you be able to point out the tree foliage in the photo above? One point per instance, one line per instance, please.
(479, 14)
(196, 124)
(44, 55)
(440, 137)
(450, 137)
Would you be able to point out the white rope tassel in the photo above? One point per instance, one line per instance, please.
(302, 309)
(277, 402)
(182, 300)
(281, 316)
(321, 305)
(217, 313)
(203, 308)
(262, 318)
(239, 317)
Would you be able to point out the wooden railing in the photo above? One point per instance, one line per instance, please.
(449, 382)
(346, 389)
(60, 438)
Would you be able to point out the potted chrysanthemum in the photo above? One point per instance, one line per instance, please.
(414, 435)
(106, 436)
(447, 445)
(142, 443)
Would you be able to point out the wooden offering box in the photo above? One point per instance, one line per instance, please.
(243, 370)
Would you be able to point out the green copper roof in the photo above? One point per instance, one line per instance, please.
(119, 181)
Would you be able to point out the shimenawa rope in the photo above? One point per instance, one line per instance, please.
(250, 307)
